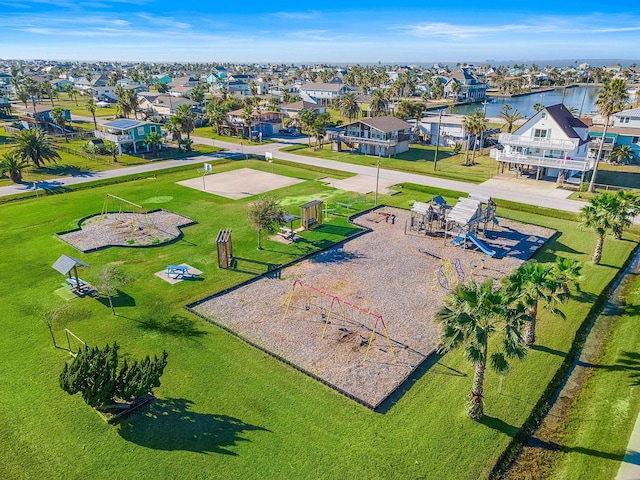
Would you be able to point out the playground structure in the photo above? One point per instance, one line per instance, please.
(425, 215)
(134, 218)
(338, 305)
(311, 214)
(449, 274)
(468, 215)
(225, 249)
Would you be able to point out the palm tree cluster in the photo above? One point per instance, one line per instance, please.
(609, 213)
(510, 118)
(474, 314)
(475, 124)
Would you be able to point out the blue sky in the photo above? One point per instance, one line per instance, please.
(331, 31)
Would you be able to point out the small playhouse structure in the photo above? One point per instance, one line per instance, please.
(469, 215)
(225, 249)
(311, 214)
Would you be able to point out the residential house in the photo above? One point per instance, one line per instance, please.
(381, 136)
(83, 85)
(450, 127)
(292, 110)
(470, 89)
(5, 106)
(161, 105)
(181, 91)
(161, 78)
(108, 93)
(553, 142)
(322, 93)
(40, 117)
(186, 81)
(625, 130)
(127, 134)
(263, 123)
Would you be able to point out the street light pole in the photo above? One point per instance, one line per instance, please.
(435, 157)
(377, 182)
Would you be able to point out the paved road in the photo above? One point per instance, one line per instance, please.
(507, 191)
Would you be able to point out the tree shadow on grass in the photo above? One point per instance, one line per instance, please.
(537, 443)
(66, 171)
(121, 299)
(172, 325)
(500, 425)
(552, 351)
(169, 424)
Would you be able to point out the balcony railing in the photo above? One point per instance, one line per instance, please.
(542, 143)
(115, 138)
(595, 145)
(547, 162)
(362, 140)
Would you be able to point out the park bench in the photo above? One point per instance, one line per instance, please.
(287, 233)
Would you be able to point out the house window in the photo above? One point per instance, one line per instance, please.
(152, 129)
(539, 133)
(544, 115)
(141, 131)
(635, 140)
(624, 120)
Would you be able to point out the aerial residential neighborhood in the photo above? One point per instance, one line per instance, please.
(266, 241)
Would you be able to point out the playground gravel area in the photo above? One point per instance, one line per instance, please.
(126, 229)
(385, 272)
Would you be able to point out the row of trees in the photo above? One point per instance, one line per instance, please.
(473, 314)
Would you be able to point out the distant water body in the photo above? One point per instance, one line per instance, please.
(583, 99)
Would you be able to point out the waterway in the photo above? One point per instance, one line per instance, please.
(583, 99)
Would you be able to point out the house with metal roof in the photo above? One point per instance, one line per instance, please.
(381, 136)
(127, 134)
(553, 143)
(322, 93)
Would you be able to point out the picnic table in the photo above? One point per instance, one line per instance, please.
(177, 270)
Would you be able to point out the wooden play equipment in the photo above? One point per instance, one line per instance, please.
(424, 216)
(469, 215)
(225, 249)
(128, 215)
(311, 214)
(338, 306)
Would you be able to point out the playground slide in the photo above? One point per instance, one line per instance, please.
(480, 245)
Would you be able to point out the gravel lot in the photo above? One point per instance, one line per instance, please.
(127, 230)
(384, 271)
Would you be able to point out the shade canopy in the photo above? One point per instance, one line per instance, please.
(66, 263)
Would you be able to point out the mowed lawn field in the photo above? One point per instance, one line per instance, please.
(226, 409)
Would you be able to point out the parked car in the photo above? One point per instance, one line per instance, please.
(289, 132)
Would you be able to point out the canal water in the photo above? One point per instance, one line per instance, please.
(583, 99)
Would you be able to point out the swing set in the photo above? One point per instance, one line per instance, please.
(339, 307)
(128, 214)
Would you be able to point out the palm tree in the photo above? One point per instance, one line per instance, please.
(622, 154)
(611, 99)
(33, 89)
(531, 284)
(625, 206)
(111, 148)
(567, 271)
(468, 124)
(348, 105)
(510, 118)
(91, 107)
(216, 116)
(35, 145)
(187, 120)
(479, 127)
(379, 103)
(13, 165)
(599, 215)
(175, 129)
(247, 119)
(307, 118)
(22, 95)
(473, 314)
(46, 87)
(153, 140)
(538, 107)
(60, 119)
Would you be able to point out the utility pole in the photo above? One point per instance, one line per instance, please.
(377, 182)
(482, 133)
(435, 157)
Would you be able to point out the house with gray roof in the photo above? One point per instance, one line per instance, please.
(553, 143)
(625, 131)
(380, 136)
(322, 93)
(127, 134)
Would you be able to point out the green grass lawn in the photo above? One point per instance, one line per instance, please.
(75, 162)
(419, 159)
(604, 414)
(226, 409)
(209, 132)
